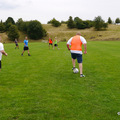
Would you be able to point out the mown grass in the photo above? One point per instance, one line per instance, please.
(43, 87)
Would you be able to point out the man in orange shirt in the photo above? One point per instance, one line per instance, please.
(76, 50)
(50, 42)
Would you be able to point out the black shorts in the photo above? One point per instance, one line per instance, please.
(55, 44)
(78, 56)
(26, 48)
(0, 65)
(16, 44)
(50, 43)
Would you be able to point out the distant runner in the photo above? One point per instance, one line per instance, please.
(16, 43)
(50, 42)
(26, 47)
(55, 43)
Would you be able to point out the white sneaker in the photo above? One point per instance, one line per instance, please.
(81, 75)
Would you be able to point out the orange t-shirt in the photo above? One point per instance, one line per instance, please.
(50, 41)
(76, 43)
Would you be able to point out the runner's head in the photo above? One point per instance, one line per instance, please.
(78, 33)
(26, 38)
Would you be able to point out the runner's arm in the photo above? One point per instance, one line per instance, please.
(85, 48)
(69, 43)
(4, 53)
(68, 47)
(25, 44)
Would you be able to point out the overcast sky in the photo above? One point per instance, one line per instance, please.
(45, 10)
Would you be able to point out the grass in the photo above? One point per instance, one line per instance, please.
(43, 87)
(63, 34)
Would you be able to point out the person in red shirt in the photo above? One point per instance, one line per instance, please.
(50, 42)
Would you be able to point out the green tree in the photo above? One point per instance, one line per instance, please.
(117, 20)
(35, 30)
(19, 24)
(13, 32)
(98, 23)
(79, 23)
(109, 20)
(22, 25)
(55, 22)
(88, 23)
(2, 27)
(9, 22)
(70, 23)
(105, 25)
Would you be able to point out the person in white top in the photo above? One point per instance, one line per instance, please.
(2, 52)
(76, 50)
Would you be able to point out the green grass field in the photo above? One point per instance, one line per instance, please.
(43, 87)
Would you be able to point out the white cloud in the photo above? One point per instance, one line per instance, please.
(45, 10)
(7, 6)
(12, 4)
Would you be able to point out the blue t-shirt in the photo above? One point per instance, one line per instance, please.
(26, 43)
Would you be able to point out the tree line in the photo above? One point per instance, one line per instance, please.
(98, 23)
(35, 30)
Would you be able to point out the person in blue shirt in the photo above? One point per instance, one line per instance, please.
(26, 47)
